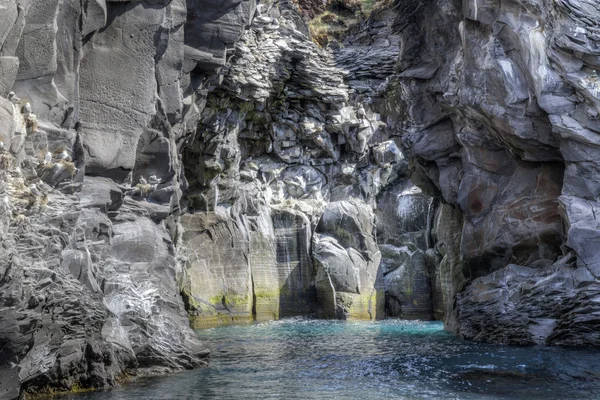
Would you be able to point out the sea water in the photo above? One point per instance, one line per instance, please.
(392, 359)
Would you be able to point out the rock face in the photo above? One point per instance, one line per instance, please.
(89, 291)
(498, 106)
(171, 162)
(347, 261)
(278, 142)
(524, 305)
(289, 174)
(90, 184)
(201, 158)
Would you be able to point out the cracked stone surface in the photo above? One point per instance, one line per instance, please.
(198, 163)
(497, 105)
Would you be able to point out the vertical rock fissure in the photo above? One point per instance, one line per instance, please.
(253, 296)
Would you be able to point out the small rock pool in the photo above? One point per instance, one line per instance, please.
(392, 359)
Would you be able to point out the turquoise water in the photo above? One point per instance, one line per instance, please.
(313, 359)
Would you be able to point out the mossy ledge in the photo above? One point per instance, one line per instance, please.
(341, 17)
(52, 391)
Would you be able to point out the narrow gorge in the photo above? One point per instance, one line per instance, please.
(172, 165)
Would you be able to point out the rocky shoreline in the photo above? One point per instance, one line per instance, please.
(199, 163)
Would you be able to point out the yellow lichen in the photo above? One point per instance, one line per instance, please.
(6, 161)
(51, 392)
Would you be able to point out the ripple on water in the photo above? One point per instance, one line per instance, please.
(315, 359)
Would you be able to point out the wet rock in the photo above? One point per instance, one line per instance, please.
(217, 247)
(520, 305)
(407, 282)
(257, 267)
(447, 231)
(293, 232)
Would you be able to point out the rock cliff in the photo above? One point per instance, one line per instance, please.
(175, 163)
(171, 160)
(497, 104)
(98, 98)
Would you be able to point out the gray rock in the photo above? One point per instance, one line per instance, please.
(234, 163)
(101, 193)
(407, 282)
(7, 122)
(349, 277)
(500, 124)
(78, 268)
(9, 66)
(293, 232)
(512, 306)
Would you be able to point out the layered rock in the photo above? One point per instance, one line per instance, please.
(264, 164)
(86, 297)
(99, 203)
(91, 184)
(524, 305)
(288, 149)
(208, 158)
(497, 106)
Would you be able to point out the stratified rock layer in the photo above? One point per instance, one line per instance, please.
(208, 158)
(90, 184)
(201, 157)
(287, 176)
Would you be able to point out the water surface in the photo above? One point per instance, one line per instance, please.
(313, 359)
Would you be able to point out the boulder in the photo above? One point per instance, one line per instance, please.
(349, 277)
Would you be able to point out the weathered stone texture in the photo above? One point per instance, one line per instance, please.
(208, 158)
(497, 102)
(91, 276)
